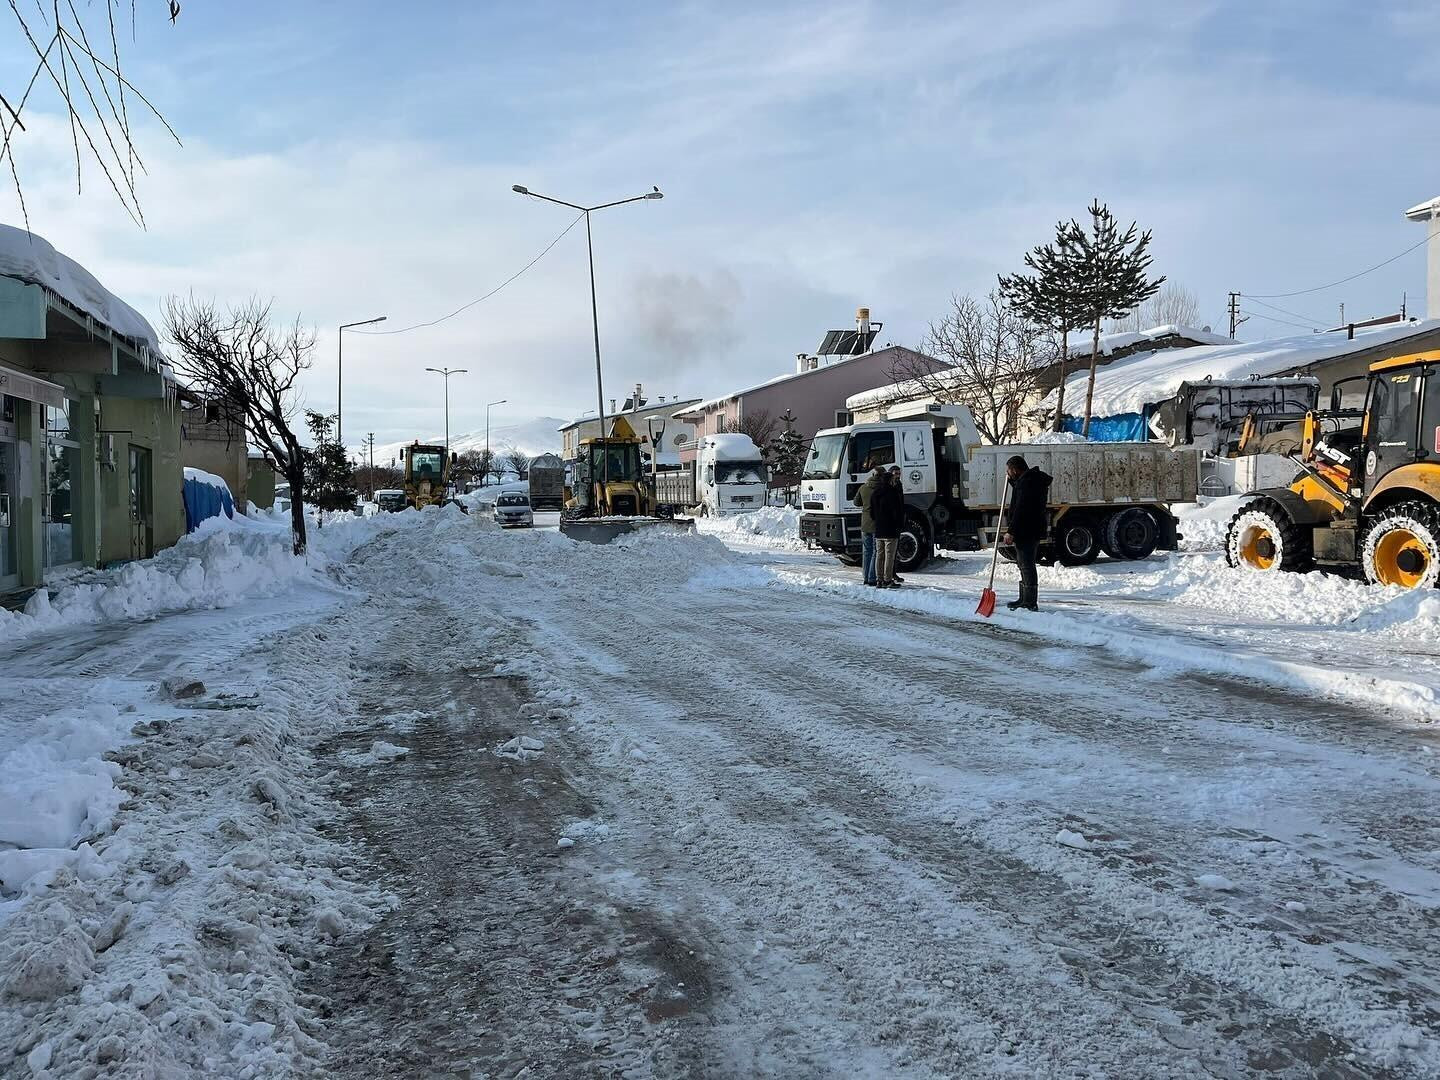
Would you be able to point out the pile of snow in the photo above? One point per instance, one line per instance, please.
(1203, 525)
(1056, 438)
(31, 259)
(222, 562)
(775, 527)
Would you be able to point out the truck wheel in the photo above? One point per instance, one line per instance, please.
(1078, 540)
(1402, 546)
(1263, 538)
(1131, 533)
(914, 548)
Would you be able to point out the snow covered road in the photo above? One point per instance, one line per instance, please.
(664, 808)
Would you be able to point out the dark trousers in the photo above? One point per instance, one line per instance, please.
(1025, 551)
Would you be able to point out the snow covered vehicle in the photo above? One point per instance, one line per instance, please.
(1368, 493)
(728, 476)
(390, 500)
(1110, 497)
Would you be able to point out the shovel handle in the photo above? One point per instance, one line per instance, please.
(995, 554)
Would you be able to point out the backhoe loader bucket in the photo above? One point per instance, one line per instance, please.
(603, 530)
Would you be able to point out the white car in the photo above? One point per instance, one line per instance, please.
(513, 508)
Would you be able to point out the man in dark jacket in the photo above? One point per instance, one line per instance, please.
(887, 510)
(867, 524)
(1027, 522)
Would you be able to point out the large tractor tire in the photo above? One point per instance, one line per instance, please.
(1402, 546)
(914, 548)
(1131, 533)
(1077, 540)
(1264, 539)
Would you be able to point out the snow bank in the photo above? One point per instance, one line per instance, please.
(775, 527)
(221, 563)
(1050, 438)
(1204, 524)
(31, 259)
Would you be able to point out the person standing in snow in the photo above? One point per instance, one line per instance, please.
(1027, 522)
(867, 524)
(896, 579)
(887, 510)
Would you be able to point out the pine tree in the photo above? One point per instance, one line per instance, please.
(786, 452)
(329, 475)
(1113, 268)
(1052, 295)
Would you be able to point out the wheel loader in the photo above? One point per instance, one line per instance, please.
(610, 495)
(1367, 496)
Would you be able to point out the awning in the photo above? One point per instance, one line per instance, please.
(21, 384)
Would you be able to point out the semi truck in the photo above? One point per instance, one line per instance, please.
(728, 476)
(1113, 498)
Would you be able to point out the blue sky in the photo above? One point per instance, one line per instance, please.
(352, 159)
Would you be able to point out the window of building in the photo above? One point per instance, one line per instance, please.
(62, 465)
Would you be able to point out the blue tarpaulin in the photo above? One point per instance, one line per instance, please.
(1122, 427)
(204, 500)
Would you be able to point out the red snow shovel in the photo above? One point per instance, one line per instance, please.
(987, 598)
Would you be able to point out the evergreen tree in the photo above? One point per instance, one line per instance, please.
(329, 475)
(1114, 268)
(1052, 295)
(786, 452)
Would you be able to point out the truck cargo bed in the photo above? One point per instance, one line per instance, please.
(1089, 474)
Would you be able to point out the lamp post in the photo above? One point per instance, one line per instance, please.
(340, 369)
(502, 401)
(653, 193)
(447, 372)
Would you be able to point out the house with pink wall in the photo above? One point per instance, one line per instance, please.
(815, 393)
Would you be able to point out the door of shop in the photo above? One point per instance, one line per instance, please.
(142, 507)
(9, 488)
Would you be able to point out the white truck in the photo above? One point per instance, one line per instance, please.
(1110, 497)
(728, 476)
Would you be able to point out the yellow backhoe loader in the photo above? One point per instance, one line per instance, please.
(610, 495)
(1368, 493)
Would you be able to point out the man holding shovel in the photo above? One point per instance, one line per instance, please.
(1027, 522)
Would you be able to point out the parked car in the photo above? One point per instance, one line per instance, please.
(513, 508)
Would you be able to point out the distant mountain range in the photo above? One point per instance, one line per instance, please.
(537, 435)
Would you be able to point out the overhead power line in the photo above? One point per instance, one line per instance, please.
(1342, 281)
(1284, 311)
(478, 299)
(1282, 322)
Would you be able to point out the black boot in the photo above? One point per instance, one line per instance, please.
(1031, 598)
(1016, 605)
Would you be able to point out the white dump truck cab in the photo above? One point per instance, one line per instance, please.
(926, 444)
(730, 475)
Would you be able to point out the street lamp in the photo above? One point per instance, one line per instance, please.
(653, 193)
(447, 372)
(340, 369)
(502, 401)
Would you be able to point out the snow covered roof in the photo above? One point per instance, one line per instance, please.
(1422, 211)
(29, 258)
(1081, 341)
(787, 377)
(1130, 384)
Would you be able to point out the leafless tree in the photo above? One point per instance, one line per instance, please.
(995, 357)
(1173, 305)
(246, 366)
(481, 465)
(517, 460)
(759, 425)
(86, 76)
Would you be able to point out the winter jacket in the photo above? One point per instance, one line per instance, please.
(887, 510)
(1027, 519)
(862, 500)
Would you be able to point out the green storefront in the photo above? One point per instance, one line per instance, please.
(90, 470)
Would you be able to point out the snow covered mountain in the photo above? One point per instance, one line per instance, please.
(535, 436)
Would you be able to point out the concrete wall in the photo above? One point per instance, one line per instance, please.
(154, 425)
(212, 446)
(259, 483)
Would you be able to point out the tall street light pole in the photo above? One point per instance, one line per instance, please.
(487, 424)
(653, 193)
(447, 372)
(340, 370)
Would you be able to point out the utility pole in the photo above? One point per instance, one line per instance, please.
(1235, 317)
(1342, 312)
(370, 448)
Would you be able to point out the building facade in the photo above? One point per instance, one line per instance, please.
(651, 416)
(90, 464)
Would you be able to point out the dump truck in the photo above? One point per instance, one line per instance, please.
(547, 483)
(1366, 497)
(1113, 498)
(728, 476)
(427, 471)
(610, 495)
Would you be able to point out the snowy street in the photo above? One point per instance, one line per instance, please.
(459, 802)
